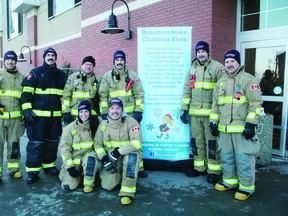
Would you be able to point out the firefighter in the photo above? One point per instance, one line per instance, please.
(236, 109)
(77, 150)
(118, 146)
(83, 85)
(11, 123)
(197, 102)
(123, 83)
(41, 104)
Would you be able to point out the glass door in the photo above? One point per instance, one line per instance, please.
(267, 61)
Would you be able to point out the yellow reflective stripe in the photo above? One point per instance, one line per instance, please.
(48, 165)
(14, 114)
(258, 110)
(65, 104)
(120, 93)
(141, 164)
(232, 181)
(215, 167)
(230, 99)
(11, 93)
(82, 145)
(28, 89)
(33, 169)
(88, 182)
(76, 161)
(115, 144)
(199, 112)
(214, 116)
(205, 85)
(26, 106)
(100, 151)
(104, 104)
(251, 115)
(198, 163)
(129, 109)
(231, 128)
(137, 144)
(250, 188)
(186, 100)
(81, 95)
(126, 189)
(12, 165)
(44, 113)
(138, 102)
(68, 161)
(1, 169)
(49, 91)
(74, 112)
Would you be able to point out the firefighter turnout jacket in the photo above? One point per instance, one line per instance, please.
(125, 86)
(79, 87)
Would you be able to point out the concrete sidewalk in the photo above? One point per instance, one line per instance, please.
(162, 193)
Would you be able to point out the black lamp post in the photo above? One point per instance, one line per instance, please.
(21, 56)
(113, 28)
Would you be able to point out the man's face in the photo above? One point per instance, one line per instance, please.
(84, 115)
(231, 65)
(202, 55)
(10, 63)
(119, 63)
(115, 111)
(50, 58)
(87, 68)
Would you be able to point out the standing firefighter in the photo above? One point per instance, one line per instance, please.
(83, 85)
(11, 123)
(118, 146)
(197, 102)
(41, 104)
(123, 83)
(77, 151)
(236, 109)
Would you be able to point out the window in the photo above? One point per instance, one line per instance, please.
(14, 21)
(263, 14)
(56, 7)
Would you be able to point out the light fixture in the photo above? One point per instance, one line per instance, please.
(21, 56)
(113, 28)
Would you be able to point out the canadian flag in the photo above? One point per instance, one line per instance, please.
(255, 86)
(135, 129)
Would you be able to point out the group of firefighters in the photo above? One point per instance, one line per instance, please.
(102, 118)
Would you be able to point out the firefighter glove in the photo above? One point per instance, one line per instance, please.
(249, 130)
(214, 129)
(185, 117)
(2, 109)
(29, 116)
(138, 116)
(104, 116)
(68, 118)
(109, 167)
(73, 172)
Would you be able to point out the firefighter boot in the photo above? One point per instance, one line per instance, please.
(125, 200)
(142, 174)
(31, 178)
(212, 178)
(87, 189)
(16, 174)
(222, 187)
(242, 195)
(51, 171)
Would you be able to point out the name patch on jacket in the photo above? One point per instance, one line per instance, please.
(135, 129)
(255, 86)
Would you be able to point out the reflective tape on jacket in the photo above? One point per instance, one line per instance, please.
(11, 165)
(44, 165)
(213, 117)
(120, 93)
(116, 144)
(199, 112)
(14, 114)
(100, 151)
(214, 167)
(129, 109)
(28, 89)
(186, 100)
(49, 91)
(104, 104)
(82, 145)
(205, 85)
(231, 100)
(88, 181)
(125, 189)
(44, 113)
(26, 106)
(33, 169)
(231, 128)
(11, 93)
(83, 95)
(199, 163)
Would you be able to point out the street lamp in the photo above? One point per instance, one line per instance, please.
(21, 56)
(113, 28)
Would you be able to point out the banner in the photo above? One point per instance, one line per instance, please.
(164, 58)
